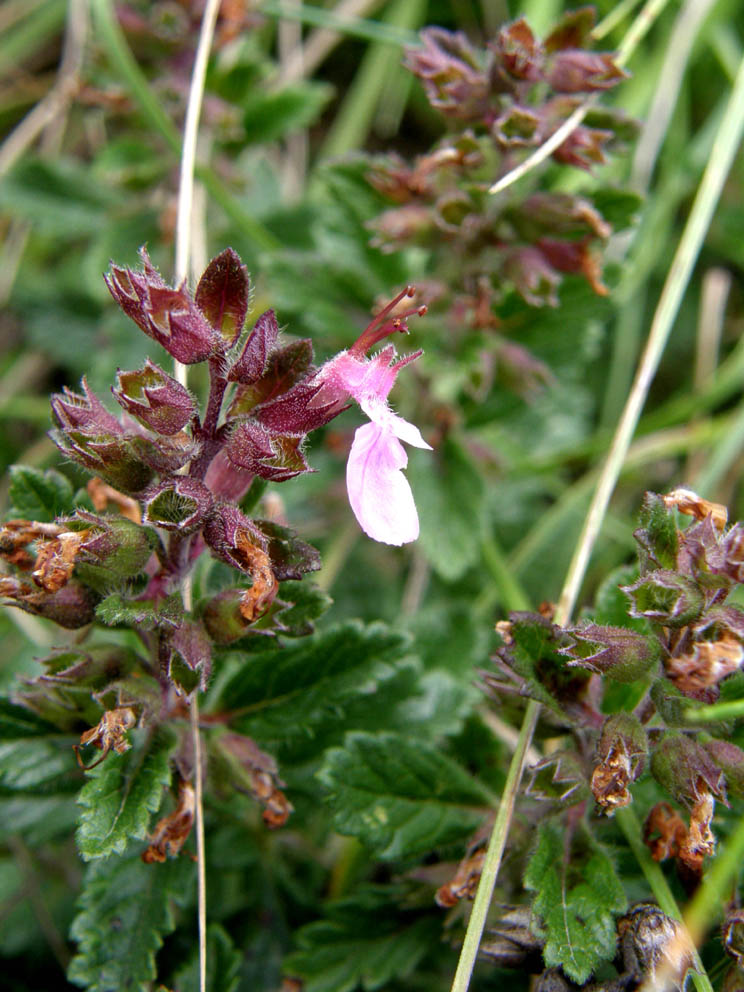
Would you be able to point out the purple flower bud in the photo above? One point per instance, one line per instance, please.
(111, 457)
(617, 652)
(223, 294)
(449, 69)
(575, 257)
(84, 413)
(190, 658)
(519, 51)
(155, 399)
(114, 548)
(273, 457)
(686, 769)
(534, 279)
(250, 365)
(72, 606)
(167, 315)
(577, 71)
(179, 503)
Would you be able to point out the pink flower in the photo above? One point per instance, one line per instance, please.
(379, 493)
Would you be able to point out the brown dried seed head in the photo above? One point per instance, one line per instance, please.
(102, 495)
(689, 503)
(261, 594)
(55, 561)
(700, 840)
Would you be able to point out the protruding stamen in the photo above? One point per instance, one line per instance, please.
(380, 327)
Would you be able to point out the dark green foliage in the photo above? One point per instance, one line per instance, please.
(122, 793)
(126, 908)
(400, 796)
(223, 965)
(576, 900)
(287, 692)
(366, 942)
(36, 495)
(452, 508)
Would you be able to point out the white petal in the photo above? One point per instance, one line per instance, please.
(379, 493)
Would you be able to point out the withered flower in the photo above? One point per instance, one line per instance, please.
(109, 732)
(621, 756)
(171, 831)
(664, 832)
(465, 880)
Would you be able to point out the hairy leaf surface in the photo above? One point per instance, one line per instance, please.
(400, 796)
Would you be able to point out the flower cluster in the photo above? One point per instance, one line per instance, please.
(684, 642)
(501, 102)
(183, 474)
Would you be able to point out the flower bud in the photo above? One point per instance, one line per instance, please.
(730, 759)
(250, 365)
(169, 316)
(189, 658)
(223, 294)
(686, 769)
(617, 652)
(180, 503)
(577, 71)
(155, 399)
(256, 772)
(449, 70)
(519, 51)
(71, 607)
(272, 457)
(116, 544)
(666, 597)
(223, 618)
(534, 279)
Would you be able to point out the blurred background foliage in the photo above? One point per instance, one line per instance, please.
(301, 98)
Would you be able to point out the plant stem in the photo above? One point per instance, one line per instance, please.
(183, 248)
(495, 851)
(724, 148)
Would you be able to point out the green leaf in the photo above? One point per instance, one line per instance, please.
(17, 721)
(268, 116)
(576, 901)
(401, 797)
(122, 792)
(288, 691)
(125, 909)
(116, 611)
(36, 495)
(450, 496)
(366, 941)
(223, 965)
(657, 535)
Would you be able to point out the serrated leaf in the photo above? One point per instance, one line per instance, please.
(37, 767)
(116, 611)
(450, 496)
(399, 796)
(288, 691)
(576, 902)
(125, 910)
(223, 965)
(366, 941)
(121, 794)
(17, 721)
(37, 495)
